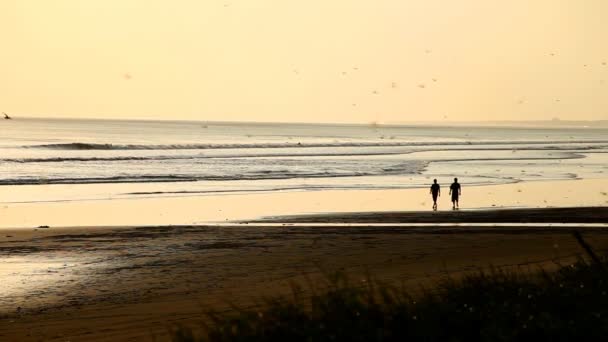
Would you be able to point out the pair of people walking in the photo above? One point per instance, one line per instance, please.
(455, 192)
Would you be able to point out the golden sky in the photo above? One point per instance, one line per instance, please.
(305, 61)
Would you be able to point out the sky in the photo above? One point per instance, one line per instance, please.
(351, 61)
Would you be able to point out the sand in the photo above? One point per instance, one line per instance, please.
(133, 269)
(137, 283)
(196, 209)
(500, 217)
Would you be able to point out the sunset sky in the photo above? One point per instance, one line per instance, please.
(306, 61)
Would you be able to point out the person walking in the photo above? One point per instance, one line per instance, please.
(455, 192)
(435, 192)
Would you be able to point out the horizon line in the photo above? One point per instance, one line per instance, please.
(552, 122)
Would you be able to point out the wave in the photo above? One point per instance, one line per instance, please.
(272, 189)
(164, 179)
(93, 146)
(562, 157)
(414, 167)
(227, 156)
(83, 159)
(565, 153)
(94, 180)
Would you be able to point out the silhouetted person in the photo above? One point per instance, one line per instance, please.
(6, 117)
(436, 192)
(455, 192)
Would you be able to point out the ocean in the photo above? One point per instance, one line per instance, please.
(179, 158)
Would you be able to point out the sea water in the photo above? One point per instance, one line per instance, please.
(179, 158)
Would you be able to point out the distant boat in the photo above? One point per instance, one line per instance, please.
(6, 117)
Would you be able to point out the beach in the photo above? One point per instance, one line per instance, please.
(283, 171)
(137, 283)
(111, 235)
(68, 172)
(195, 209)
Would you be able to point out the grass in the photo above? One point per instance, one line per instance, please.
(497, 305)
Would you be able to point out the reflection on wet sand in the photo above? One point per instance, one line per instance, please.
(192, 209)
(27, 280)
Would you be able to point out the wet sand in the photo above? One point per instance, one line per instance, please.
(528, 215)
(137, 283)
(198, 209)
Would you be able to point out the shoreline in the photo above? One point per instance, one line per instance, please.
(564, 218)
(196, 210)
(123, 270)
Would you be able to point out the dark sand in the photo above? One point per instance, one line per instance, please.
(136, 283)
(544, 215)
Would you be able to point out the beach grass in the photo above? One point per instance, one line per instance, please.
(570, 302)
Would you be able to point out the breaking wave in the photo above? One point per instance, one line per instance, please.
(414, 167)
(92, 146)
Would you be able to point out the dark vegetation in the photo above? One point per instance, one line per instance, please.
(569, 303)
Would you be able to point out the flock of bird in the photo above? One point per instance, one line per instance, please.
(394, 85)
(423, 85)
